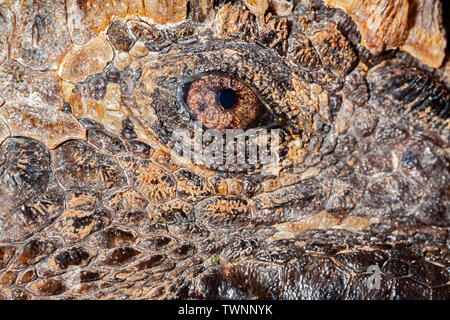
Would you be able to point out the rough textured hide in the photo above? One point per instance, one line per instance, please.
(96, 205)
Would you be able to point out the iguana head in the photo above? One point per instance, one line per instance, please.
(254, 149)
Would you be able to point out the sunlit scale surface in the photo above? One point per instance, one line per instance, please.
(95, 205)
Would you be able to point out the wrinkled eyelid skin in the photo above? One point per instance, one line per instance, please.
(268, 78)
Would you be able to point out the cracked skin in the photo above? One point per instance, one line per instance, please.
(95, 205)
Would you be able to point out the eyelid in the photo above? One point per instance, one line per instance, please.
(264, 73)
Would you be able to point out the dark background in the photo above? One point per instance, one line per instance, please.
(446, 5)
(446, 19)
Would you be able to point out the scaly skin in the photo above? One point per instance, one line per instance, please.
(95, 206)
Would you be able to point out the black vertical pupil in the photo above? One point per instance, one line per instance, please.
(227, 98)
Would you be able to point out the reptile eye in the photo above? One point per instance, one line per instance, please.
(222, 102)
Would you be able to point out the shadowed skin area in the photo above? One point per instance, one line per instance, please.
(96, 205)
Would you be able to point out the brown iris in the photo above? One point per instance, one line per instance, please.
(222, 102)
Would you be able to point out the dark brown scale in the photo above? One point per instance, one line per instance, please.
(6, 253)
(335, 281)
(388, 133)
(358, 289)
(364, 121)
(91, 124)
(26, 277)
(127, 81)
(152, 261)
(406, 289)
(99, 171)
(24, 172)
(336, 54)
(34, 216)
(355, 87)
(377, 161)
(200, 10)
(120, 256)
(221, 284)
(360, 261)
(112, 74)
(278, 256)
(35, 250)
(118, 35)
(89, 276)
(396, 268)
(275, 32)
(72, 257)
(106, 142)
(428, 273)
(47, 287)
(19, 294)
(316, 278)
(94, 87)
(303, 53)
(440, 293)
(433, 210)
(176, 213)
(113, 237)
(189, 183)
(408, 90)
(181, 33)
(418, 161)
(128, 132)
(156, 243)
(139, 148)
(76, 225)
(153, 38)
(345, 194)
(324, 248)
(222, 211)
(183, 250)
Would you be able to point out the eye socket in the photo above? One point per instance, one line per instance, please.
(223, 102)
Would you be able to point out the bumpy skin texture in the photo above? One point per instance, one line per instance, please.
(99, 209)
